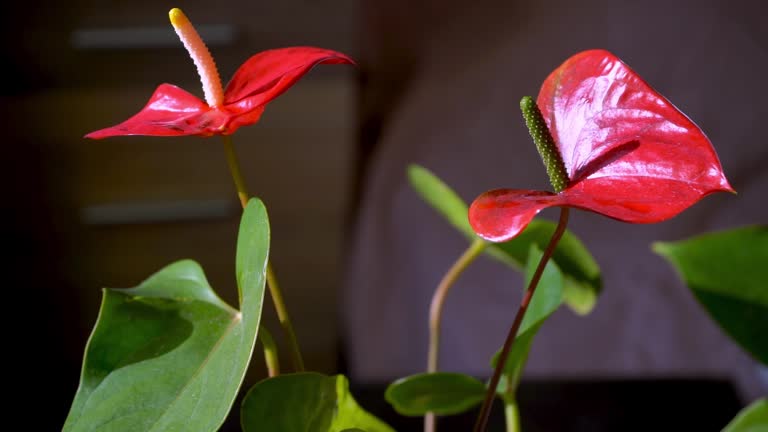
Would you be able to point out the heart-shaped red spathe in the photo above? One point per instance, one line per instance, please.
(630, 154)
(172, 111)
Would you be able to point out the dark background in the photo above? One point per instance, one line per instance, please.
(57, 259)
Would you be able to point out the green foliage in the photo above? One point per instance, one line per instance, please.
(727, 272)
(303, 402)
(443, 393)
(582, 280)
(753, 418)
(446, 393)
(547, 298)
(169, 354)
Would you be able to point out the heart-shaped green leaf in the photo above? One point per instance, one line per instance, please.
(306, 401)
(582, 280)
(443, 393)
(546, 299)
(753, 418)
(169, 355)
(727, 272)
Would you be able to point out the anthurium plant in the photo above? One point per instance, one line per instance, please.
(170, 355)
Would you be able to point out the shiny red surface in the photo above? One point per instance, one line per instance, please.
(172, 111)
(630, 154)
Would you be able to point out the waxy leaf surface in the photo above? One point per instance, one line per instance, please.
(303, 402)
(443, 393)
(547, 298)
(753, 418)
(169, 355)
(727, 272)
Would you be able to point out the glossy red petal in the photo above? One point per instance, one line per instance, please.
(501, 214)
(170, 111)
(241, 114)
(268, 74)
(624, 144)
(626, 199)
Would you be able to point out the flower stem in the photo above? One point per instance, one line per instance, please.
(436, 310)
(485, 410)
(441, 293)
(512, 416)
(234, 168)
(274, 288)
(285, 320)
(270, 351)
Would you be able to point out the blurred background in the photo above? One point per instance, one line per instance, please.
(357, 253)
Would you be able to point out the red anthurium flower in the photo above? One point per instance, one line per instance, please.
(629, 153)
(172, 111)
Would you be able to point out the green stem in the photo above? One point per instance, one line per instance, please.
(512, 416)
(270, 351)
(441, 293)
(274, 288)
(485, 410)
(234, 168)
(285, 320)
(436, 311)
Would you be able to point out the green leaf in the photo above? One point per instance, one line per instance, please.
(727, 272)
(443, 393)
(169, 354)
(582, 279)
(753, 418)
(549, 292)
(546, 299)
(303, 402)
(441, 197)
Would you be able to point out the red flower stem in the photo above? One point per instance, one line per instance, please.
(274, 288)
(485, 410)
(436, 310)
